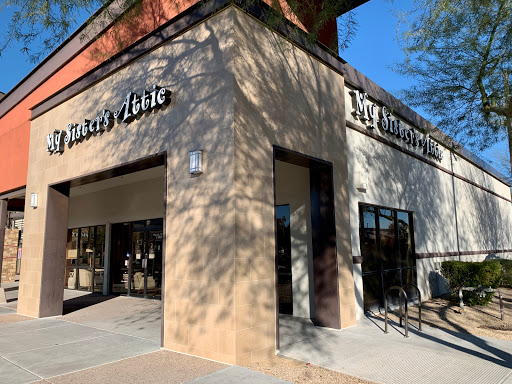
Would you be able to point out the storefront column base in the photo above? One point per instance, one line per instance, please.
(54, 253)
(3, 299)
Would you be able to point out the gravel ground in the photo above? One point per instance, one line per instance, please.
(439, 313)
(162, 367)
(477, 320)
(13, 318)
(301, 373)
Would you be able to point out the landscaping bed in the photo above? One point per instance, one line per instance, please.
(476, 320)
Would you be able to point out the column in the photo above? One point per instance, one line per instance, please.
(54, 254)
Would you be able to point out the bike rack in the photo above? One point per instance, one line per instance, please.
(419, 299)
(402, 294)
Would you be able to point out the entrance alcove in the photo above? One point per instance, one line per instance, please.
(306, 267)
(105, 236)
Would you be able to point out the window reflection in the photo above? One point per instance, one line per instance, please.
(387, 248)
(85, 254)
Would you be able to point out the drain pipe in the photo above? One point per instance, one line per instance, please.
(455, 205)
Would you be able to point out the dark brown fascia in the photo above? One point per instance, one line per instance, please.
(287, 30)
(347, 7)
(62, 55)
(152, 41)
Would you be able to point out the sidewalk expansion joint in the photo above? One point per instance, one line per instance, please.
(19, 366)
(55, 345)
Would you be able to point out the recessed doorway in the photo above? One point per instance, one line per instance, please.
(136, 264)
(306, 265)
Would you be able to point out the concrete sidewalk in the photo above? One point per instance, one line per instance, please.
(431, 356)
(117, 340)
(109, 340)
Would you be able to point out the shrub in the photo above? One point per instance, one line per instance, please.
(460, 274)
(506, 272)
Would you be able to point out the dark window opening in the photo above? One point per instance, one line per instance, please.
(387, 248)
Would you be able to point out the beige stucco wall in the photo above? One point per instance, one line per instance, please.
(140, 200)
(397, 180)
(283, 97)
(237, 90)
(199, 290)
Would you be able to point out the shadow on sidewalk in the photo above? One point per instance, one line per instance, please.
(80, 302)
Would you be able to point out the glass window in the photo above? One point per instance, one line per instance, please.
(387, 237)
(100, 247)
(72, 247)
(368, 240)
(83, 249)
(387, 248)
(405, 240)
(85, 255)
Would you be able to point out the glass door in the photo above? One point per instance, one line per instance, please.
(153, 271)
(138, 263)
(387, 248)
(145, 267)
(284, 259)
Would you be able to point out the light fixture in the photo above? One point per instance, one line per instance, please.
(196, 162)
(362, 181)
(33, 200)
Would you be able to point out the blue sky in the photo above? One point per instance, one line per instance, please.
(373, 52)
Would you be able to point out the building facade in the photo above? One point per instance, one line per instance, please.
(235, 174)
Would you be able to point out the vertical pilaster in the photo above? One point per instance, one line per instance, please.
(54, 254)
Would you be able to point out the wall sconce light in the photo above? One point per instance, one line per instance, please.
(196, 162)
(362, 181)
(33, 200)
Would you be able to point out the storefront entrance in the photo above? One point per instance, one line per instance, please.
(387, 248)
(306, 239)
(284, 259)
(137, 258)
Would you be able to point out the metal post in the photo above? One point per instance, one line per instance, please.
(501, 305)
(106, 260)
(400, 311)
(419, 298)
(404, 295)
(386, 313)
(419, 311)
(406, 317)
(93, 263)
